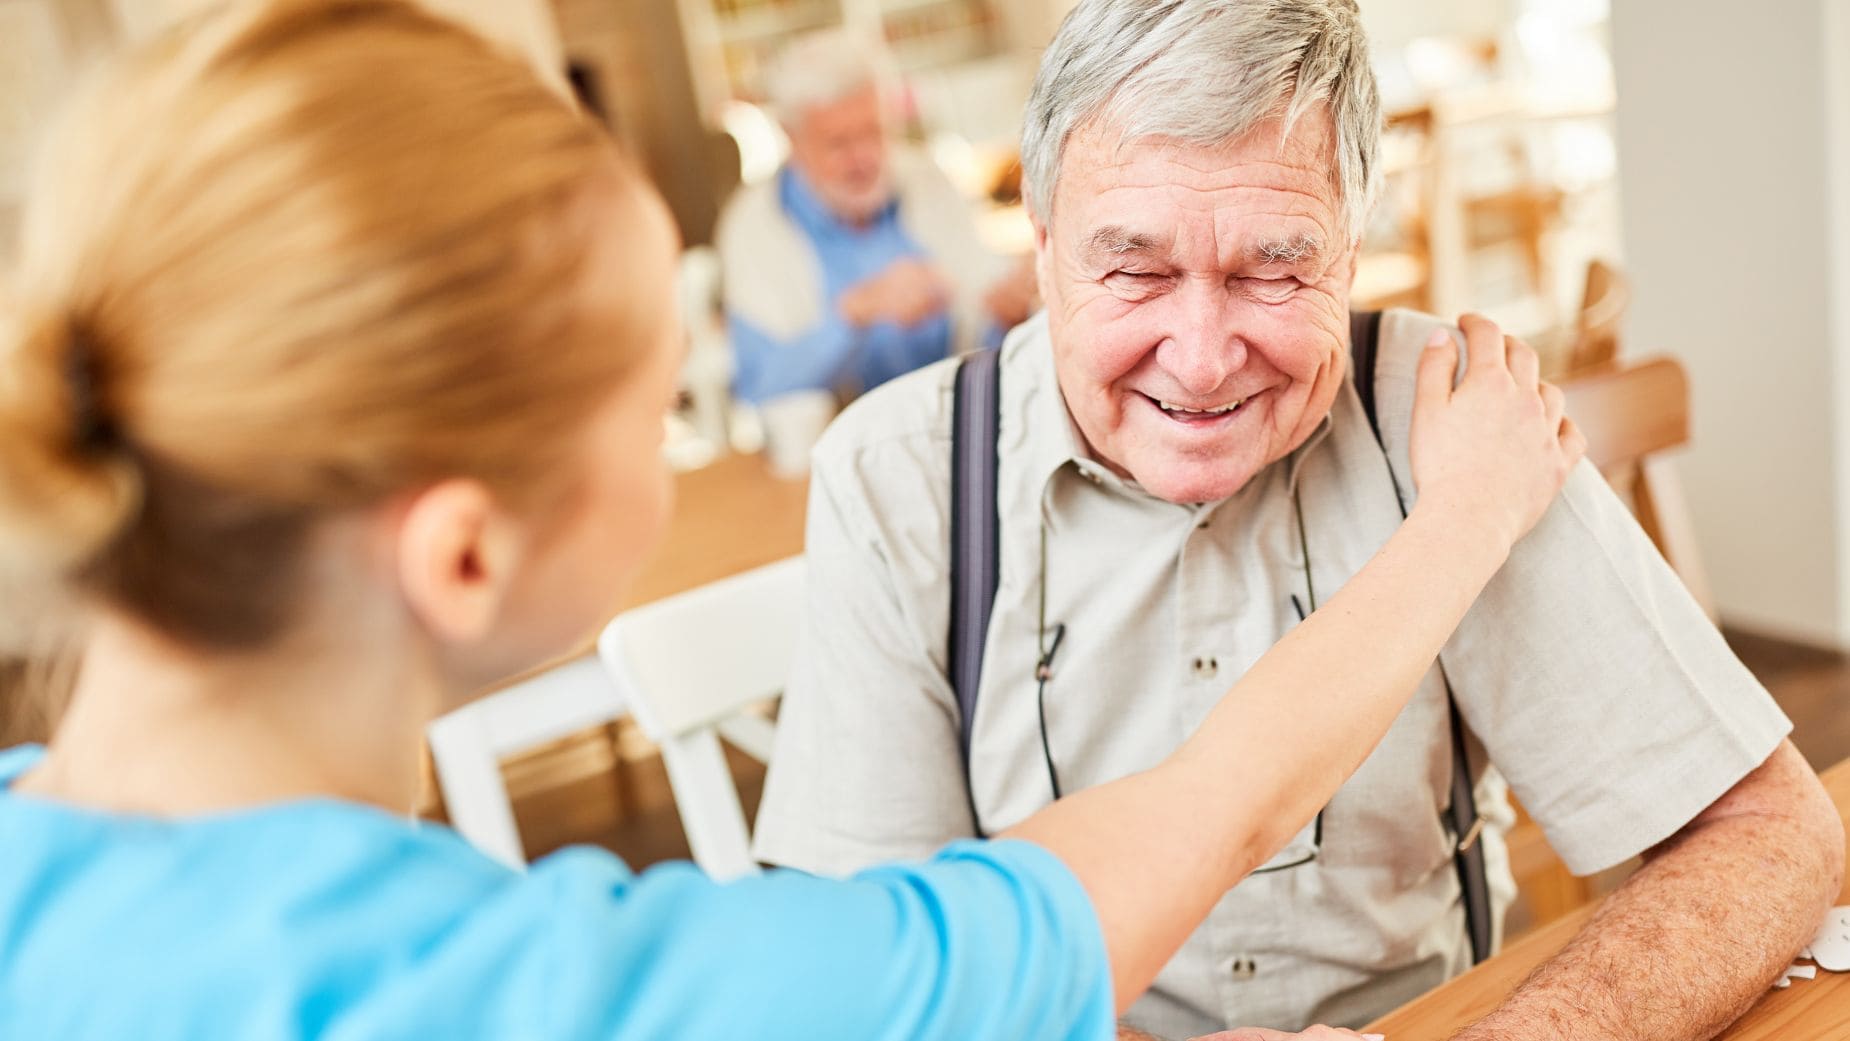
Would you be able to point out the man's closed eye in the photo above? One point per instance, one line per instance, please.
(1269, 290)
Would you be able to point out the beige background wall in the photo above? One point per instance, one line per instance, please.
(1733, 129)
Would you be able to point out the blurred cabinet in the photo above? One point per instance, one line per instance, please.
(632, 57)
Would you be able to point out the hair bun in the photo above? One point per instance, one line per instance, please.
(67, 486)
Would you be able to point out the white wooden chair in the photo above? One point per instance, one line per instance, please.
(685, 666)
(690, 665)
(467, 746)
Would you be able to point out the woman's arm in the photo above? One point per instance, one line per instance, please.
(1155, 850)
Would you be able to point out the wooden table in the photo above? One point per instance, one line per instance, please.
(1809, 1010)
(731, 515)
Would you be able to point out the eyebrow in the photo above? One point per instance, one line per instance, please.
(1304, 250)
(1113, 240)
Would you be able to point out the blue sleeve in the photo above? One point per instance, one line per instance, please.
(890, 350)
(765, 366)
(987, 940)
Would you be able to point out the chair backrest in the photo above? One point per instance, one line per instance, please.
(689, 665)
(467, 744)
(1602, 310)
(1632, 415)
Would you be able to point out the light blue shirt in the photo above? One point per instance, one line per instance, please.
(329, 920)
(834, 353)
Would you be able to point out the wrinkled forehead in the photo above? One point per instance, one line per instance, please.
(1103, 145)
(1272, 192)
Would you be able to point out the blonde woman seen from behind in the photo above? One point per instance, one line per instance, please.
(337, 397)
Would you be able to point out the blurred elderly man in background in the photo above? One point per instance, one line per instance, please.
(858, 261)
(1184, 466)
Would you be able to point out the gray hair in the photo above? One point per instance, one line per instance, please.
(1205, 72)
(817, 68)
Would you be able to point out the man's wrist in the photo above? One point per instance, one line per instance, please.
(854, 309)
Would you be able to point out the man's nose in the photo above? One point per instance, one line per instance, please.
(1203, 347)
(869, 156)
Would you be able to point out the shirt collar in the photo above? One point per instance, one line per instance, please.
(1048, 441)
(806, 207)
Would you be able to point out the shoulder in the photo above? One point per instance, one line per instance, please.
(750, 213)
(894, 436)
(1402, 338)
(750, 200)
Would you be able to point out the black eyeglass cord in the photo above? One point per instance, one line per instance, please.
(1043, 669)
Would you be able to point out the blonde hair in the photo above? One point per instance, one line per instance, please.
(286, 261)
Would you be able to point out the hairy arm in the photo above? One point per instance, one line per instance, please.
(1702, 930)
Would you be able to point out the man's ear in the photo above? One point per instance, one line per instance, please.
(1043, 261)
(457, 557)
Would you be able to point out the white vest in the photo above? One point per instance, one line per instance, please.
(773, 280)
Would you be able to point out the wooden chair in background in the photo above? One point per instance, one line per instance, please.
(1633, 415)
(1595, 338)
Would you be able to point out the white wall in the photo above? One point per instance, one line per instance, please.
(1392, 24)
(1732, 171)
(1835, 47)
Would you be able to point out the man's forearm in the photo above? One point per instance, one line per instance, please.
(1697, 935)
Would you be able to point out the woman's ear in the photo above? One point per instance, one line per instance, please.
(457, 557)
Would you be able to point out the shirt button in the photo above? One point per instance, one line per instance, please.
(1244, 969)
(1205, 668)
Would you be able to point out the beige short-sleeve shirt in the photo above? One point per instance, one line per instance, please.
(1585, 673)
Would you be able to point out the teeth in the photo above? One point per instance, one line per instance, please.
(1168, 407)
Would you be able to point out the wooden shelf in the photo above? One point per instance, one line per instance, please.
(967, 43)
(773, 21)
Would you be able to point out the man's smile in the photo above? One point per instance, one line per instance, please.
(1199, 414)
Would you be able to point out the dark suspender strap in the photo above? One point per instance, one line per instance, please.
(1468, 833)
(975, 537)
(1461, 814)
(1364, 337)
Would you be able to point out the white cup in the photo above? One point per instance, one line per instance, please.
(792, 423)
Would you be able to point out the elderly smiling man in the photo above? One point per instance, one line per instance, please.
(1185, 465)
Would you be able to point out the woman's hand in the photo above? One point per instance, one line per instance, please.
(1493, 450)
